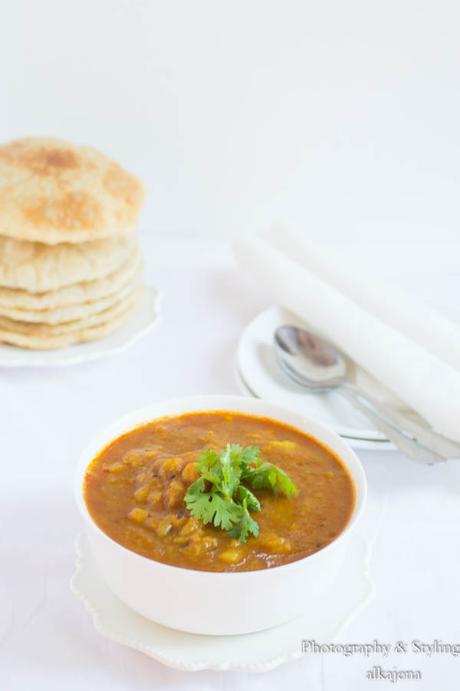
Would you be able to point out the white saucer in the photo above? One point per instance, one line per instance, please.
(258, 374)
(258, 652)
(140, 324)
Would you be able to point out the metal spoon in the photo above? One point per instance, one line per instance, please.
(318, 366)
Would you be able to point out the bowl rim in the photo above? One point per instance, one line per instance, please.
(218, 403)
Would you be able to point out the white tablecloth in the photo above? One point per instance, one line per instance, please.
(47, 640)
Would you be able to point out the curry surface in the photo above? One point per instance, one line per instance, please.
(134, 490)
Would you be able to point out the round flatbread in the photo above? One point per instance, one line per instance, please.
(53, 192)
(80, 334)
(76, 294)
(38, 268)
(72, 312)
(45, 330)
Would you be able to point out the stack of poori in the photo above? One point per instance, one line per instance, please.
(70, 263)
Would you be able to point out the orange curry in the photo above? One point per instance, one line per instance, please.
(134, 490)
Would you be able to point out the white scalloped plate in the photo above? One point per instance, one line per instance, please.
(257, 652)
(141, 323)
(260, 375)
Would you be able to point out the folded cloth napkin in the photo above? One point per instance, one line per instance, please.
(396, 307)
(419, 376)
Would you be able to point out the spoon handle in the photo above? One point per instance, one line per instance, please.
(403, 439)
(411, 425)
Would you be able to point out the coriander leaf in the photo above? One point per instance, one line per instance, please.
(230, 459)
(247, 526)
(251, 500)
(250, 455)
(200, 507)
(197, 501)
(269, 476)
(226, 513)
(196, 488)
(221, 495)
(209, 466)
(211, 507)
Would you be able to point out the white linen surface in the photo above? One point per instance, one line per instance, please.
(47, 639)
(419, 377)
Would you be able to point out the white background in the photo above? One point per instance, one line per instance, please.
(339, 117)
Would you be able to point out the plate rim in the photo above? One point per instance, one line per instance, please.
(82, 549)
(34, 358)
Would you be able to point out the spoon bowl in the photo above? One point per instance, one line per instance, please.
(309, 359)
(316, 365)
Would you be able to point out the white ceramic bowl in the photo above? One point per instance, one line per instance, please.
(216, 603)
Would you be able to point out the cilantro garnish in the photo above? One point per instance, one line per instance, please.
(222, 494)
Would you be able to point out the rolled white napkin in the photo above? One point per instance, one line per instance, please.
(396, 307)
(421, 379)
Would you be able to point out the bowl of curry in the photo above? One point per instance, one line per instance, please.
(219, 515)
